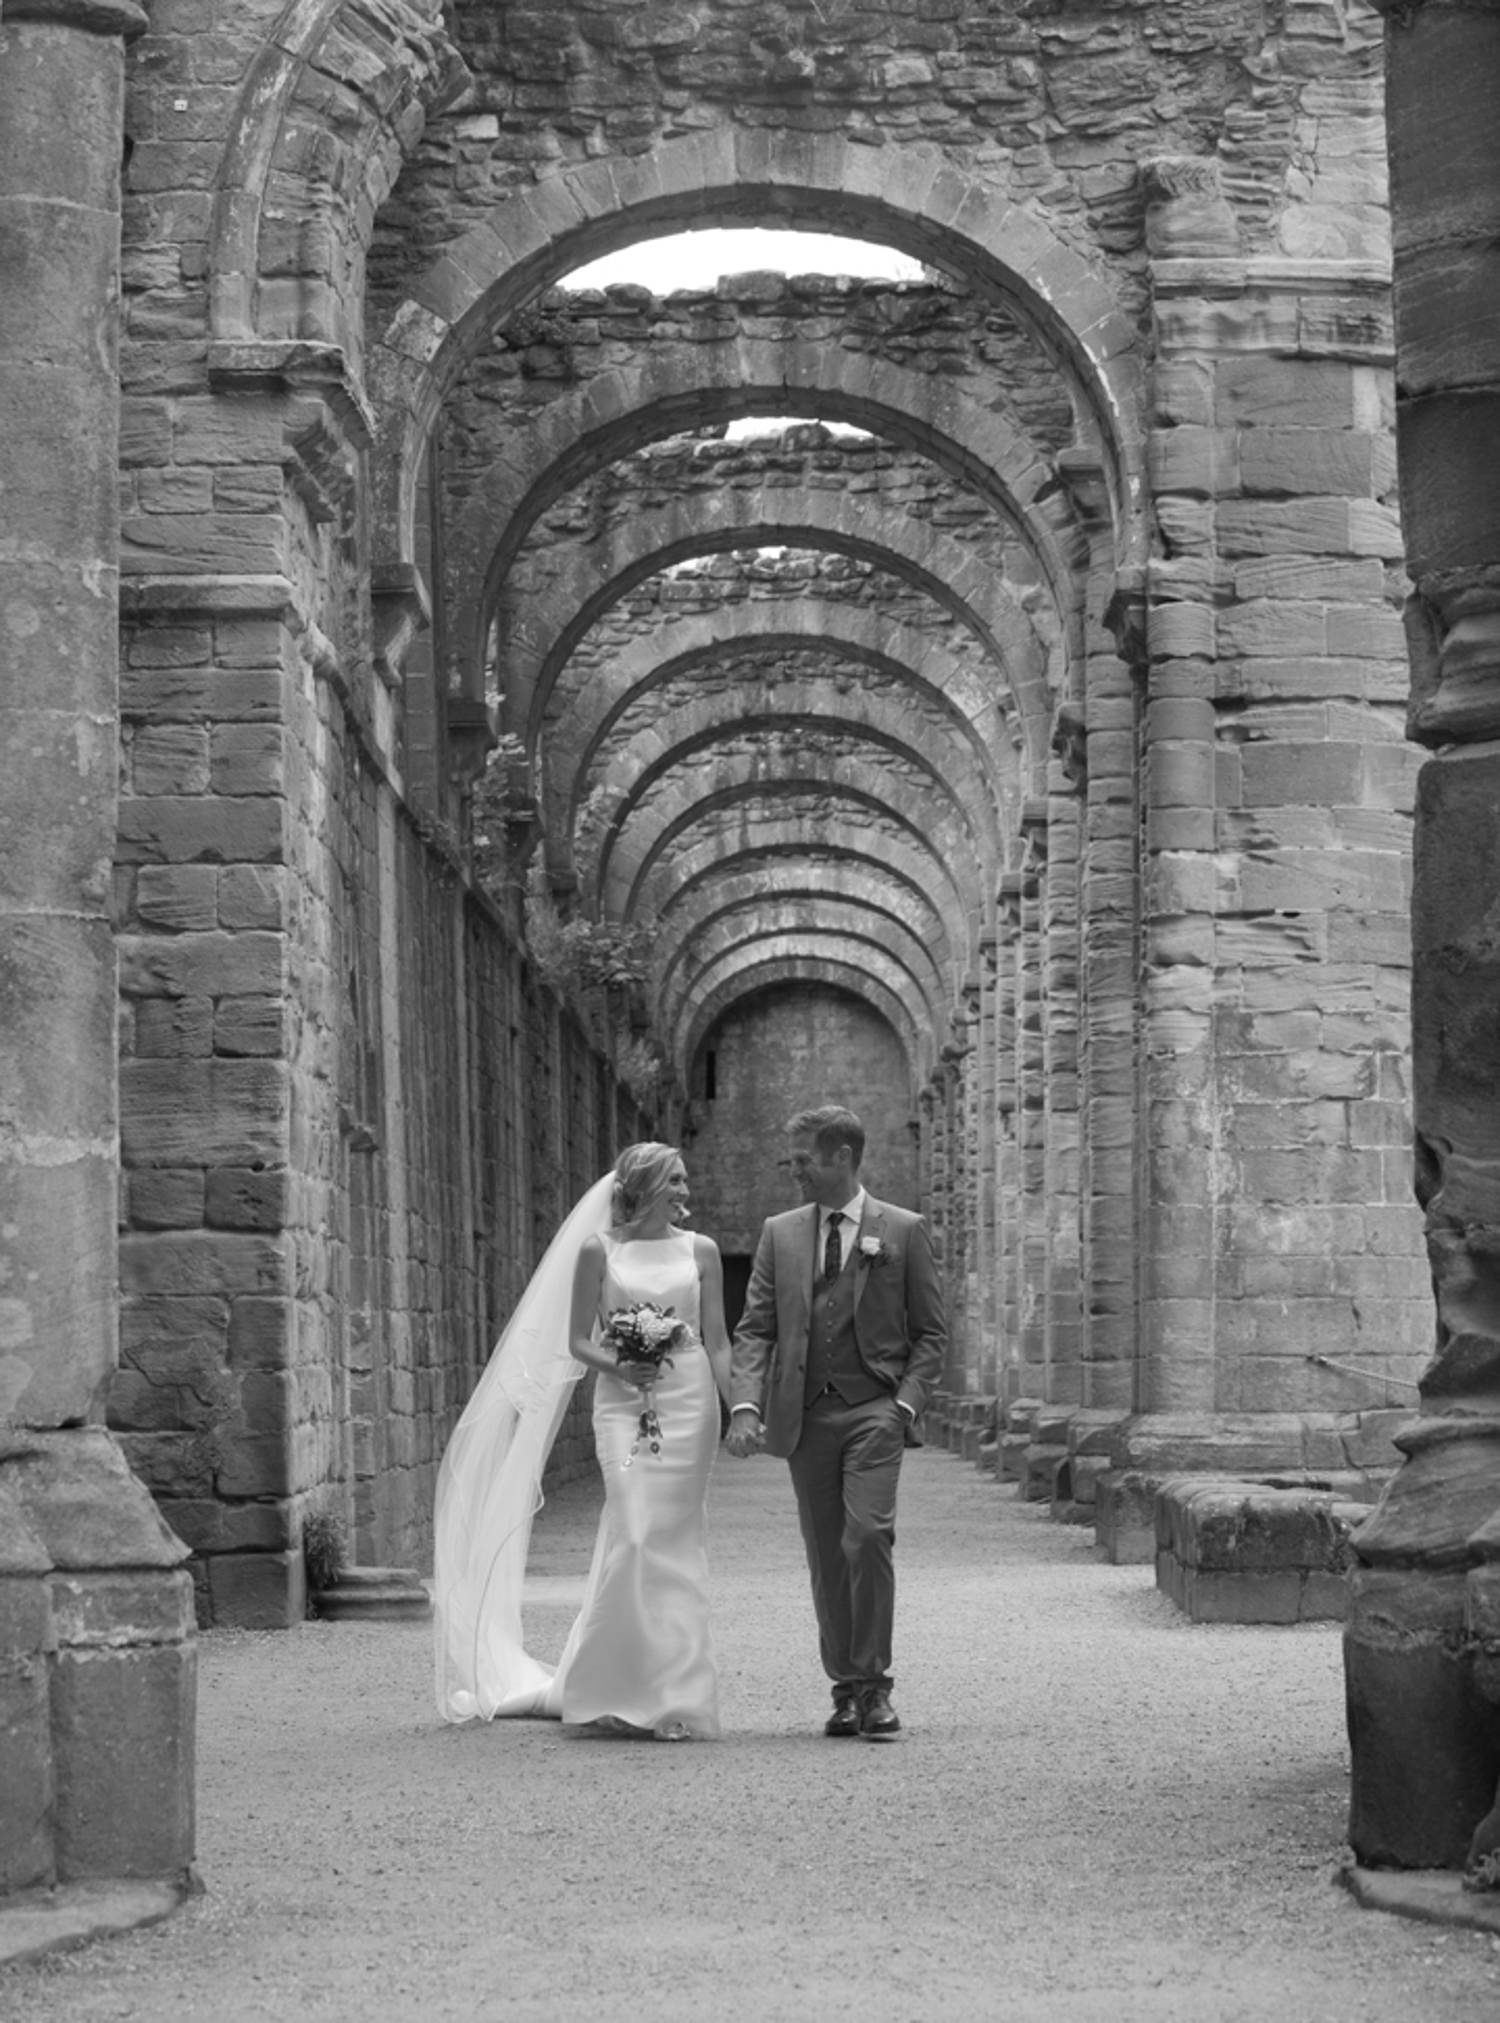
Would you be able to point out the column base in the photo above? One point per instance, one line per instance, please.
(97, 1671)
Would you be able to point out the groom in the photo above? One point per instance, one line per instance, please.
(841, 1338)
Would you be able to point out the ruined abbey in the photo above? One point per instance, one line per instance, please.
(460, 719)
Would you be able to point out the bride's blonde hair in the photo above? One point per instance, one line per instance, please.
(640, 1174)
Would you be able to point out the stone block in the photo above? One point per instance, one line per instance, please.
(1085, 1471)
(1425, 1741)
(256, 1464)
(211, 1527)
(169, 1028)
(241, 1198)
(1232, 1551)
(1214, 1597)
(1020, 1415)
(164, 1198)
(1256, 392)
(202, 544)
(260, 1333)
(250, 1026)
(1315, 775)
(257, 1590)
(173, 694)
(1010, 1453)
(211, 1113)
(27, 1794)
(112, 1611)
(1037, 1474)
(123, 1743)
(213, 964)
(1369, 1443)
(247, 759)
(251, 896)
(1307, 461)
(168, 759)
(1125, 1516)
(180, 897)
(77, 1495)
(214, 1264)
(200, 829)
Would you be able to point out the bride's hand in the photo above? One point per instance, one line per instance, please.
(642, 1374)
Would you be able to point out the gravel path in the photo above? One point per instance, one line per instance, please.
(1099, 1811)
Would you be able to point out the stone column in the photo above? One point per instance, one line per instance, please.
(1278, 1247)
(1031, 1108)
(1007, 1129)
(987, 1175)
(1060, 929)
(95, 1612)
(1422, 1648)
(1109, 906)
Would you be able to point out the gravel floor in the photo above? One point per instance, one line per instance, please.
(1098, 1812)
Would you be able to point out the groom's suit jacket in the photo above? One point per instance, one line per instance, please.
(898, 1314)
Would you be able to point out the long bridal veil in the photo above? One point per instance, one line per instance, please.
(490, 1487)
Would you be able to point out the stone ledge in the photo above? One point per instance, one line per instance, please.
(1230, 1551)
(47, 1921)
(1434, 1896)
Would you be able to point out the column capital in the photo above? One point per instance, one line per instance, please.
(89, 17)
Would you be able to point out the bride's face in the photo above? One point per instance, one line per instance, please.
(675, 1192)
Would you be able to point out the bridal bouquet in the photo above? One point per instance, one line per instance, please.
(645, 1333)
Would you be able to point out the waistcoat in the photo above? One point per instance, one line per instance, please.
(832, 1352)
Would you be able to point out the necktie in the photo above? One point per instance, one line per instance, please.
(833, 1249)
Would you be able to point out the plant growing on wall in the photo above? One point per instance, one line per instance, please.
(498, 800)
(640, 1067)
(325, 1548)
(586, 954)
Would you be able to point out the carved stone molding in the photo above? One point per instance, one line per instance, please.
(401, 608)
(472, 734)
(90, 17)
(1187, 214)
(1453, 637)
(1070, 745)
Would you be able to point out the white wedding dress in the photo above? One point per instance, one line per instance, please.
(640, 1651)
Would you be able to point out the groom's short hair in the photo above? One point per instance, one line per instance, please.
(829, 1127)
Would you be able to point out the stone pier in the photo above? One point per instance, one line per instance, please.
(96, 1624)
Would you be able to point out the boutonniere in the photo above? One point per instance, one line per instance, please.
(872, 1249)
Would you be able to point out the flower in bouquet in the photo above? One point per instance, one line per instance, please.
(645, 1333)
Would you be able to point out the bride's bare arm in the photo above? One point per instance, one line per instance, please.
(711, 1310)
(588, 1283)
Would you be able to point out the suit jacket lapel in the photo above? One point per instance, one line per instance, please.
(871, 1223)
(808, 1262)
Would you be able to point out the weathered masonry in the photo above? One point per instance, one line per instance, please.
(519, 716)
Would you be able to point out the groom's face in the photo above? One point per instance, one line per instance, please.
(828, 1179)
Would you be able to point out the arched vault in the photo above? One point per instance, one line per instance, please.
(911, 197)
(749, 974)
(683, 387)
(698, 738)
(547, 630)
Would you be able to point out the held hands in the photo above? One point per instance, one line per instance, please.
(746, 1435)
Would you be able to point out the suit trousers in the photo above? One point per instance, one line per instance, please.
(845, 1470)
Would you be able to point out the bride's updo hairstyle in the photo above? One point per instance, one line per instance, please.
(640, 1174)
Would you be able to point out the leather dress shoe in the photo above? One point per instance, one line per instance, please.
(878, 1719)
(845, 1718)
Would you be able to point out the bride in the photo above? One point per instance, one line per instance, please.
(639, 1658)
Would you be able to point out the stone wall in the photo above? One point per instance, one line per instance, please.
(789, 1049)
